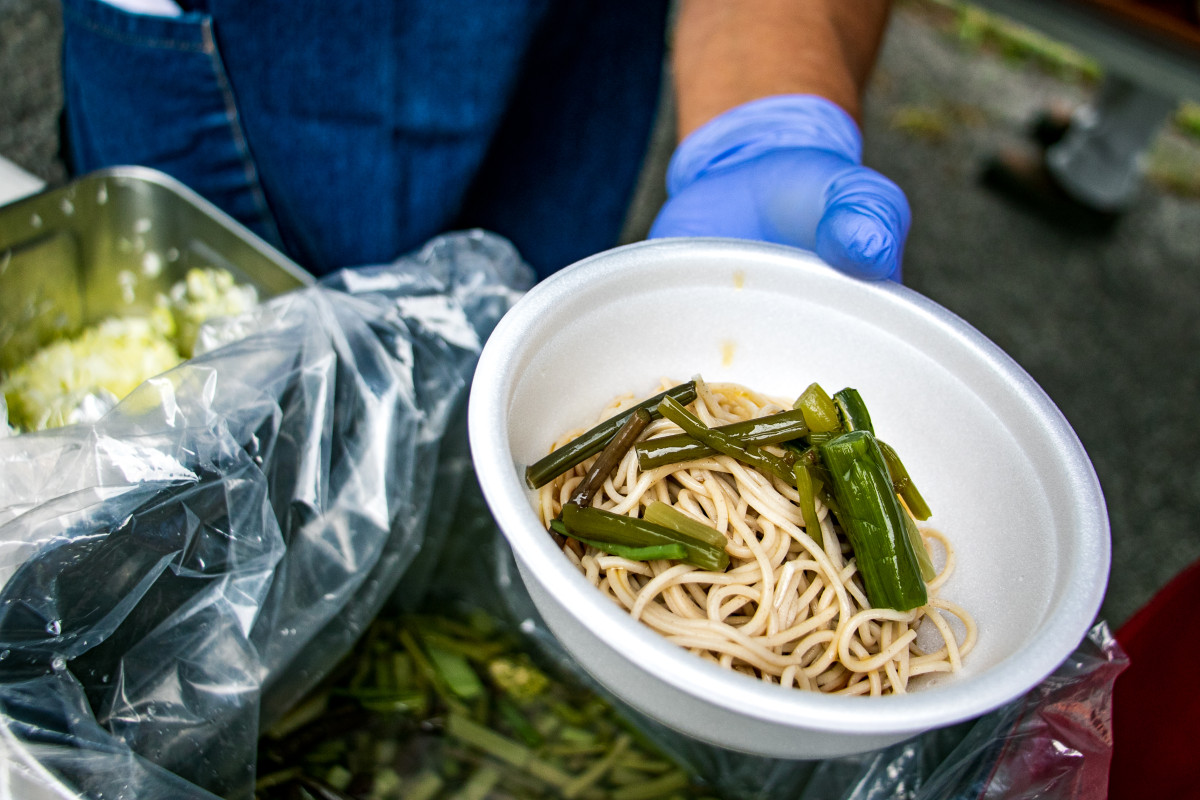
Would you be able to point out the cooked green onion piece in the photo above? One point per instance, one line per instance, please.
(512, 716)
(466, 730)
(797, 453)
(588, 444)
(810, 457)
(611, 456)
(852, 411)
(660, 513)
(610, 528)
(455, 671)
(671, 784)
(903, 485)
(818, 438)
(666, 552)
(670, 552)
(770, 429)
(873, 519)
(819, 411)
(808, 488)
(750, 454)
(928, 572)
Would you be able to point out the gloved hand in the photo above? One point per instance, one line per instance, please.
(787, 169)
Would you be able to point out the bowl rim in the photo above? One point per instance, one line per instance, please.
(504, 490)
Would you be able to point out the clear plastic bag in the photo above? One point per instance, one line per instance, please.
(178, 574)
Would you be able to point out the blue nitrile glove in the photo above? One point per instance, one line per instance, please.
(787, 169)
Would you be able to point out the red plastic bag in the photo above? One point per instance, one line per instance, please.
(1062, 743)
(1157, 702)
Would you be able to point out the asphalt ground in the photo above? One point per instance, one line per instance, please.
(1105, 323)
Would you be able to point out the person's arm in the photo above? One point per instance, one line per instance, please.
(768, 98)
(729, 52)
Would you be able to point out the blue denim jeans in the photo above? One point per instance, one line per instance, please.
(347, 132)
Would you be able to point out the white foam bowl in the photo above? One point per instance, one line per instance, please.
(1004, 473)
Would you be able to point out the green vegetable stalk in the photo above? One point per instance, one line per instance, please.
(873, 519)
(903, 484)
(611, 456)
(749, 454)
(662, 514)
(819, 410)
(606, 528)
(807, 487)
(852, 411)
(593, 441)
(670, 551)
(770, 429)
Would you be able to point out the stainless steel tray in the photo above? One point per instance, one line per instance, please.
(106, 245)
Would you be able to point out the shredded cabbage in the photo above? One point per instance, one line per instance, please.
(202, 295)
(79, 379)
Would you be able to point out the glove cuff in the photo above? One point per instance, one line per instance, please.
(747, 131)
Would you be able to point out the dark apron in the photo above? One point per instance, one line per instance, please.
(347, 132)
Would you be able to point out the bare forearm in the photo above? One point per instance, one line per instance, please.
(728, 52)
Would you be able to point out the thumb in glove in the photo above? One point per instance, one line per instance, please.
(787, 170)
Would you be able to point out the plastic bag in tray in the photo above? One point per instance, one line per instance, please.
(179, 573)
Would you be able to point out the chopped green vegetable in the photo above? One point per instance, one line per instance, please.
(505, 749)
(592, 775)
(205, 294)
(303, 713)
(819, 411)
(455, 671)
(903, 484)
(479, 785)
(770, 429)
(425, 786)
(670, 517)
(611, 456)
(663, 786)
(78, 379)
(618, 529)
(852, 411)
(387, 785)
(588, 444)
(654, 552)
(517, 677)
(807, 488)
(339, 777)
(670, 552)
(511, 716)
(873, 519)
(928, 572)
(533, 737)
(751, 455)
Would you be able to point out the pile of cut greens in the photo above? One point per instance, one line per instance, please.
(436, 707)
(824, 446)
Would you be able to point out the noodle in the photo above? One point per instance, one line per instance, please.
(788, 610)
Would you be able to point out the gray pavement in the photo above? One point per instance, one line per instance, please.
(1104, 324)
(30, 92)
